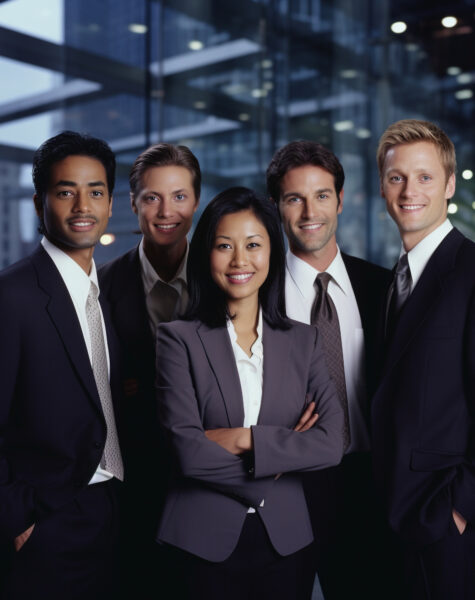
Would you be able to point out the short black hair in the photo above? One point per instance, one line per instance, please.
(165, 155)
(70, 143)
(300, 154)
(207, 301)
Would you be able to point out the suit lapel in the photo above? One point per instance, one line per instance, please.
(276, 351)
(217, 346)
(63, 314)
(425, 294)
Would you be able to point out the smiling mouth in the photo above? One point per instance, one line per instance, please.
(169, 227)
(411, 207)
(239, 277)
(81, 224)
(311, 226)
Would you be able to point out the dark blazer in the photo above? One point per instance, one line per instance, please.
(423, 411)
(199, 389)
(52, 428)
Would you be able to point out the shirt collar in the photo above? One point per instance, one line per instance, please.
(77, 281)
(419, 256)
(257, 348)
(304, 274)
(150, 276)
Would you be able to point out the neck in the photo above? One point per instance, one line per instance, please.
(166, 260)
(318, 259)
(81, 256)
(246, 314)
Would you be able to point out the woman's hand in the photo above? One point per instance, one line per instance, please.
(308, 418)
(233, 439)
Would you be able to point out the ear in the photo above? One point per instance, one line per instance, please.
(132, 203)
(38, 206)
(450, 187)
(110, 206)
(340, 202)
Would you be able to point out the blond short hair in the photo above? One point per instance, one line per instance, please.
(409, 131)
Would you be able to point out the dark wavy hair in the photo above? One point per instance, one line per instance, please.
(207, 301)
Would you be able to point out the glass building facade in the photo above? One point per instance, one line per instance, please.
(233, 81)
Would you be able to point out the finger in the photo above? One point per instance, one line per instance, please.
(310, 423)
(305, 416)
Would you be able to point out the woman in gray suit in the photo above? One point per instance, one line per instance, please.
(247, 403)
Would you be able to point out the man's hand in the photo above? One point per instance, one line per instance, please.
(233, 439)
(22, 538)
(460, 522)
(308, 418)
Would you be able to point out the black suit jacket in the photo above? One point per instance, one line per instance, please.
(423, 410)
(145, 458)
(52, 428)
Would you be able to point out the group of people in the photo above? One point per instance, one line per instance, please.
(222, 419)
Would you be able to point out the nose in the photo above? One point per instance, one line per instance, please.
(239, 258)
(164, 208)
(309, 210)
(410, 188)
(81, 203)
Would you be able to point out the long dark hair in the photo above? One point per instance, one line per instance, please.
(207, 301)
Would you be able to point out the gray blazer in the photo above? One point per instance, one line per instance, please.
(198, 388)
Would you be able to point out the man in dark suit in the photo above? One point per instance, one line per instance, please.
(306, 181)
(145, 287)
(59, 453)
(423, 409)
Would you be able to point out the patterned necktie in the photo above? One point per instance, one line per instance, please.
(325, 317)
(398, 293)
(111, 459)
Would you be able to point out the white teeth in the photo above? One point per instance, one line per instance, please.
(167, 226)
(314, 226)
(240, 277)
(81, 224)
(411, 206)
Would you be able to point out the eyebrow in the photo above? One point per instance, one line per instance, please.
(64, 182)
(226, 237)
(319, 191)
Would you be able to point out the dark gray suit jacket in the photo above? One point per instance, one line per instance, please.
(198, 389)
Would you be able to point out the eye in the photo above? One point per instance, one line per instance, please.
(322, 196)
(65, 193)
(180, 197)
(293, 200)
(150, 199)
(395, 179)
(426, 178)
(253, 245)
(97, 193)
(223, 246)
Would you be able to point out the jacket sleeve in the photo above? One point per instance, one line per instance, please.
(17, 498)
(463, 486)
(281, 450)
(179, 413)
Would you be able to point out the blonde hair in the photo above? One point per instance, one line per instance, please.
(409, 131)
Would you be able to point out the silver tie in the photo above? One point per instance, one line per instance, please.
(111, 459)
(399, 292)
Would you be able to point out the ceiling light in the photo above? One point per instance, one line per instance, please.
(464, 78)
(107, 239)
(343, 125)
(467, 174)
(398, 27)
(258, 93)
(452, 209)
(454, 71)
(199, 104)
(244, 117)
(363, 133)
(195, 45)
(266, 64)
(138, 28)
(463, 94)
(449, 22)
(349, 73)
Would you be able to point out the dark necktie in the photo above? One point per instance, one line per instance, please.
(111, 459)
(399, 292)
(325, 317)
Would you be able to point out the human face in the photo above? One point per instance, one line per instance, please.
(165, 206)
(77, 205)
(239, 260)
(309, 210)
(415, 187)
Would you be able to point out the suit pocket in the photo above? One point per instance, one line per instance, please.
(433, 460)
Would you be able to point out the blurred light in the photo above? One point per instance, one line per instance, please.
(398, 27)
(258, 93)
(199, 105)
(467, 174)
(244, 117)
(107, 239)
(464, 94)
(363, 133)
(268, 85)
(93, 27)
(452, 209)
(349, 73)
(343, 125)
(266, 63)
(473, 205)
(454, 71)
(449, 22)
(195, 45)
(412, 47)
(138, 28)
(464, 78)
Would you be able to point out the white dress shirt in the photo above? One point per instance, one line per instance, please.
(250, 370)
(150, 278)
(299, 299)
(78, 284)
(419, 256)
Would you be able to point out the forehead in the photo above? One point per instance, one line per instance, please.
(76, 168)
(415, 156)
(308, 175)
(242, 223)
(170, 176)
